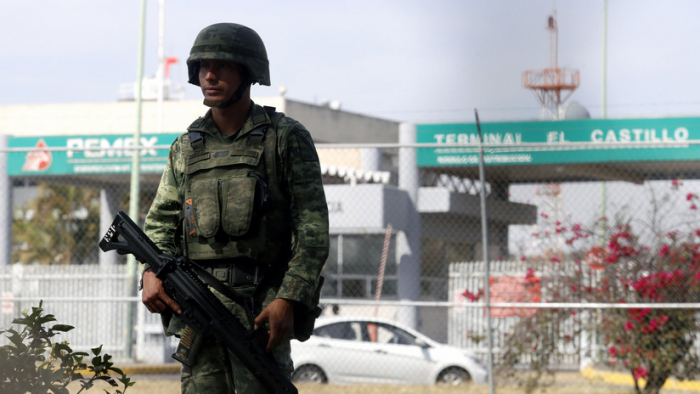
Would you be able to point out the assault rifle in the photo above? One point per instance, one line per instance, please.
(202, 311)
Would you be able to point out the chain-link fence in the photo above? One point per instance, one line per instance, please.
(592, 260)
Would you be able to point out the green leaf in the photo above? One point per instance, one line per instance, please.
(108, 379)
(117, 370)
(58, 347)
(62, 327)
(47, 318)
(97, 350)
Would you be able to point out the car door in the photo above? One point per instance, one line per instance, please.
(342, 353)
(397, 356)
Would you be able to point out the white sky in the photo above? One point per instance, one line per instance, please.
(424, 61)
(409, 60)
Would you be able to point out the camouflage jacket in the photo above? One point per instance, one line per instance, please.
(299, 172)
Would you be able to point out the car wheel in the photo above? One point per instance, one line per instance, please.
(454, 376)
(309, 374)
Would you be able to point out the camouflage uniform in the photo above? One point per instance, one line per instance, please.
(304, 206)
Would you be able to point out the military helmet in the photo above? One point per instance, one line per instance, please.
(230, 42)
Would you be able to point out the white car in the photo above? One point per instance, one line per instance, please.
(371, 350)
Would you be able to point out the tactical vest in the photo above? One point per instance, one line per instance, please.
(234, 208)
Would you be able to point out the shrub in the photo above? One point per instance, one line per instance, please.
(32, 362)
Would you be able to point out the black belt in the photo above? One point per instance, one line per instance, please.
(234, 275)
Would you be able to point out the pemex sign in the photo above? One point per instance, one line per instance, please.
(610, 135)
(72, 155)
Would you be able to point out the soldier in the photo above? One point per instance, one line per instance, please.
(241, 195)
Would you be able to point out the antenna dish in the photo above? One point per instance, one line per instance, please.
(574, 110)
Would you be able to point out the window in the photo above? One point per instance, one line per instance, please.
(353, 265)
(383, 333)
(349, 331)
(362, 254)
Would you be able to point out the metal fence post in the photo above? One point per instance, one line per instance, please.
(408, 241)
(5, 206)
(485, 242)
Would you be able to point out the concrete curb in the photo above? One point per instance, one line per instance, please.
(626, 380)
(150, 369)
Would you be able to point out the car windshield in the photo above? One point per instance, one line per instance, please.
(366, 332)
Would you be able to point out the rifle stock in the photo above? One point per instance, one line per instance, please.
(201, 309)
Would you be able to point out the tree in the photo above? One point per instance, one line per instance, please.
(33, 363)
(630, 262)
(59, 226)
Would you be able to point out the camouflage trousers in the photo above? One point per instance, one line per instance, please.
(218, 371)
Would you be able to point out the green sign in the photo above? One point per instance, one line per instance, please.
(609, 134)
(86, 154)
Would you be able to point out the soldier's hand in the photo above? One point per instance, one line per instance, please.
(154, 296)
(280, 314)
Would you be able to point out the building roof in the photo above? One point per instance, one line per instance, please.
(325, 124)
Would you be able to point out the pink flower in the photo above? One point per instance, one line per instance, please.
(640, 372)
(690, 196)
(555, 260)
(530, 274)
(544, 215)
(612, 351)
(629, 326)
(653, 325)
(693, 207)
(473, 296)
(523, 258)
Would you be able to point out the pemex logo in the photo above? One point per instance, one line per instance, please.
(38, 160)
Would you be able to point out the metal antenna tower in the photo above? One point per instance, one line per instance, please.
(552, 85)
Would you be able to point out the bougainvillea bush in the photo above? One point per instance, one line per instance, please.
(623, 261)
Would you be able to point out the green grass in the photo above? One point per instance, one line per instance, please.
(564, 383)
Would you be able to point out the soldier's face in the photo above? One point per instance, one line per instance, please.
(218, 79)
